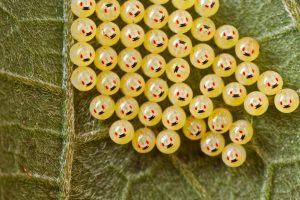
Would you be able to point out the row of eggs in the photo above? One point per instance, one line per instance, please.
(212, 142)
(133, 11)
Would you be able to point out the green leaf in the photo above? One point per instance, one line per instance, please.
(50, 146)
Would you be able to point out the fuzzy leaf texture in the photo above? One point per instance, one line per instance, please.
(51, 148)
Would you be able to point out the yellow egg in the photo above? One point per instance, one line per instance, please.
(241, 132)
(132, 84)
(270, 82)
(150, 113)
(180, 21)
(156, 16)
(202, 56)
(194, 128)
(234, 155)
(83, 8)
(156, 41)
(286, 100)
(212, 144)
(168, 141)
(108, 34)
(106, 58)
(207, 8)
(153, 65)
(201, 107)
(159, 1)
(247, 73)
(82, 54)
(108, 83)
(108, 10)
(234, 94)
(127, 108)
(220, 120)
(226, 36)
(83, 29)
(102, 107)
(203, 29)
(143, 140)
(121, 132)
(180, 94)
(224, 65)
(173, 118)
(83, 78)
(132, 35)
(156, 90)
(132, 11)
(183, 4)
(178, 70)
(256, 103)
(247, 49)
(130, 60)
(180, 45)
(211, 85)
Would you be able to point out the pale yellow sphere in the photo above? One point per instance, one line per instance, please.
(220, 120)
(121, 132)
(270, 82)
(241, 132)
(127, 108)
(234, 94)
(156, 41)
(108, 10)
(211, 85)
(180, 45)
(153, 65)
(177, 70)
(102, 107)
(226, 36)
(130, 60)
(173, 118)
(159, 1)
(168, 141)
(132, 35)
(203, 29)
(83, 29)
(212, 144)
(202, 56)
(108, 83)
(256, 103)
(83, 78)
(156, 89)
(132, 84)
(156, 16)
(224, 65)
(132, 11)
(150, 113)
(183, 4)
(180, 94)
(143, 140)
(207, 8)
(194, 128)
(82, 54)
(286, 100)
(108, 34)
(247, 49)
(247, 73)
(201, 107)
(83, 8)
(180, 21)
(234, 155)
(106, 58)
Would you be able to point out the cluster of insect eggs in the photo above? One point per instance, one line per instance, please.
(177, 70)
